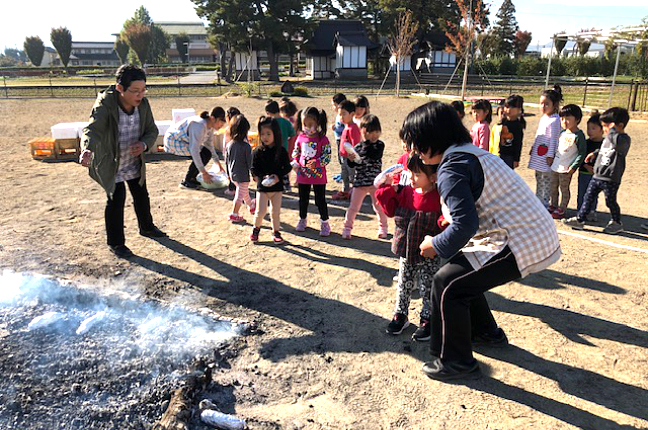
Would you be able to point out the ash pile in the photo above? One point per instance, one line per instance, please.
(74, 359)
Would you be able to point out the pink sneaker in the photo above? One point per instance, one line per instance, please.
(301, 225)
(382, 233)
(236, 218)
(346, 233)
(253, 206)
(325, 229)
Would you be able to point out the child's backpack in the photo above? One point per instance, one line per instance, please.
(500, 136)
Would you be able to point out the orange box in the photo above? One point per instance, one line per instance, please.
(42, 148)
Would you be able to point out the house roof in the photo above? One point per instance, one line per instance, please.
(175, 27)
(347, 31)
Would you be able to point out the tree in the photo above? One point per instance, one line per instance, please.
(487, 43)
(559, 44)
(401, 43)
(138, 37)
(461, 35)
(583, 46)
(61, 39)
(182, 45)
(159, 40)
(121, 48)
(521, 42)
(505, 28)
(35, 50)
(16, 54)
(325, 9)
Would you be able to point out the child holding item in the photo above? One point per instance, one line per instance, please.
(608, 170)
(416, 210)
(270, 163)
(370, 151)
(350, 135)
(569, 157)
(230, 113)
(544, 147)
(311, 156)
(287, 134)
(595, 138)
(482, 113)
(238, 162)
(510, 149)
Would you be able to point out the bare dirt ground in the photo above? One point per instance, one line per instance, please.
(320, 359)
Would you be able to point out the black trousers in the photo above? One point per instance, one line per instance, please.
(192, 173)
(320, 200)
(114, 213)
(458, 305)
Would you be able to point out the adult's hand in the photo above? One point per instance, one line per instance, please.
(427, 249)
(137, 148)
(206, 177)
(85, 158)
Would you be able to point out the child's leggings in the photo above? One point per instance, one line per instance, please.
(320, 200)
(610, 190)
(583, 183)
(347, 173)
(543, 187)
(262, 206)
(242, 194)
(560, 182)
(407, 274)
(357, 197)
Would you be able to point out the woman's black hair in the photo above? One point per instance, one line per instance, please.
(433, 128)
(273, 124)
(287, 106)
(459, 106)
(127, 73)
(370, 123)
(231, 112)
(362, 102)
(571, 110)
(416, 165)
(318, 115)
(239, 127)
(485, 105)
(516, 101)
(555, 95)
(339, 98)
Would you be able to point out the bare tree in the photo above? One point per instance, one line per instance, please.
(402, 41)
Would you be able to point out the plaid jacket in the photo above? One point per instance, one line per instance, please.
(509, 214)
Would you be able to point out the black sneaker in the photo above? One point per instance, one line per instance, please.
(397, 325)
(154, 232)
(422, 333)
(496, 339)
(190, 185)
(447, 371)
(121, 251)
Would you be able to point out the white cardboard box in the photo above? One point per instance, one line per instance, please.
(65, 130)
(179, 114)
(80, 126)
(163, 126)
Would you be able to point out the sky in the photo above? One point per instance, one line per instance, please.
(87, 23)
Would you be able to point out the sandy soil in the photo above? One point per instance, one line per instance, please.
(320, 359)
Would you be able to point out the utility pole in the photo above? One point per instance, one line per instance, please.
(467, 56)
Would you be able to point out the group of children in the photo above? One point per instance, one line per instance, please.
(292, 140)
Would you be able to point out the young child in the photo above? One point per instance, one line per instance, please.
(338, 128)
(416, 210)
(311, 155)
(288, 110)
(361, 109)
(569, 156)
(513, 119)
(459, 107)
(367, 168)
(270, 162)
(230, 113)
(238, 162)
(544, 147)
(351, 135)
(608, 170)
(482, 113)
(287, 134)
(595, 138)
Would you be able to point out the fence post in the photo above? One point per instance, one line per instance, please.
(634, 90)
(50, 82)
(4, 78)
(179, 89)
(585, 92)
(95, 86)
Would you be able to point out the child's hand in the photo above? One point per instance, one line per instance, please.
(571, 172)
(444, 223)
(589, 168)
(311, 164)
(389, 179)
(516, 164)
(589, 158)
(427, 249)
(351, 156)
(550, 161)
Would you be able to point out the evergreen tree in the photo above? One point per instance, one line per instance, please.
(505, 28)
(121, 48)
(35, 50)
(159, 40)
(61, 38)
(138, 37)
(180, 40)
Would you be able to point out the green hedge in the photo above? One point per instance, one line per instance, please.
(629, 65)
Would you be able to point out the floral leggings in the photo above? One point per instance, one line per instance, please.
(407, 275)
